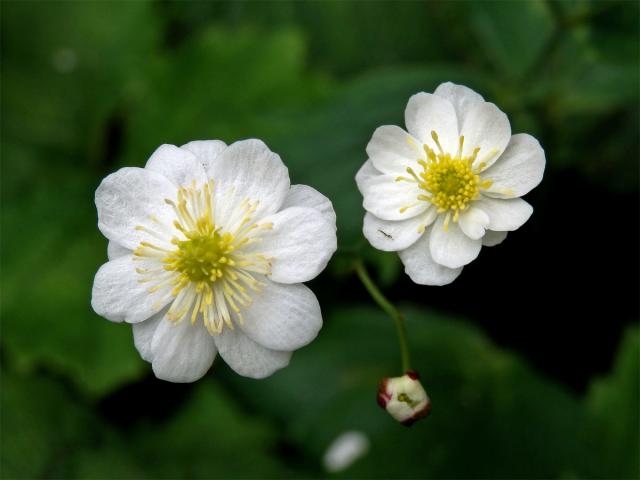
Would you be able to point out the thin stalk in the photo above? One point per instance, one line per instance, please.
(390, 309)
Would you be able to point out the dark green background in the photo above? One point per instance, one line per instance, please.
(531, 357)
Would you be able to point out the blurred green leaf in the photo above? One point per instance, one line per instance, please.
(230, 85)
(49, 261)
(613, 418)
(41, 426)
(488, 406)
(71, 63)
(512, 34)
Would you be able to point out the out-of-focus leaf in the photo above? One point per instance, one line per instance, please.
(208, 437)
(487, 404)
(66, 67)
(49, 261)
(222, 84)
(512, 34)
(613, 418)
(41, 426)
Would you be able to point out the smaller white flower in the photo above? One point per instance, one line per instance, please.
(208, 246)
(346, 449)
(404, 398)
(449, 185)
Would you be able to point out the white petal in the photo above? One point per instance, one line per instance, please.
(143, 335)
(518, 170)
(384, 197)
(366, 173)
(487, 127)
(206, 151)
(248, 169)
(181, 352)
(391, 236)
(300, 243)
(246, 357)
(305, 196)
(392, 150)
(505, 215)
(451, 247)
(421, 267)
(282, 317)
(114, 250)
(473, 222)
(119, 296)
(492, 238)
(462, 98)
(180, 166)
(426, 113)
(128, 198)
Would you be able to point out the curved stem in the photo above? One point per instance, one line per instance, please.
(390, 309)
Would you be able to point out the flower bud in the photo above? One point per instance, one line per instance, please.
(404, 398)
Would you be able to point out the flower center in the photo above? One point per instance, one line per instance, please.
(205, 266)
(204, 256)
(449, 182)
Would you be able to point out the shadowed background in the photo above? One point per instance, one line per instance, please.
(530, 357)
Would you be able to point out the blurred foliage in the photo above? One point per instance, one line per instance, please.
(91, 86)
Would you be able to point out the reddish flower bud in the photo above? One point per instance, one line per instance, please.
(404, 398)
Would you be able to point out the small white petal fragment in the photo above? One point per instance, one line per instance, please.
(119, 296)
(391, 200)
(462, 98)
(300, 242)
(422, 268)
(450, 247)
(518, 170)
(283, 317)
(505, 215)
(114, 250)
(346, 449)
(245, 168)
(180, 166)
(305, 196)
(206, 151)
(485, 127)
(491, 238)
(426, 113)
(391, 149)
(143, 333)
(366, 172)
(473, 222)
(129, 198)
(246, 357)
(390, 236)
(181, 352)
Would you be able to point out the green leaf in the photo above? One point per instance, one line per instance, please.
(207, 437)
(613, 419)
(49, 262)
(488, 406)
(512, 34)
(41, 427)
(67, 67)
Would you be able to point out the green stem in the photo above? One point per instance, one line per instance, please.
(390, 309)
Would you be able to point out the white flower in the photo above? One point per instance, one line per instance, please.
(208, 246)
(450, 185)
(345, 449)
(404, 398)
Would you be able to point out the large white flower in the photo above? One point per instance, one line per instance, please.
(208, 246)
(449, 185)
